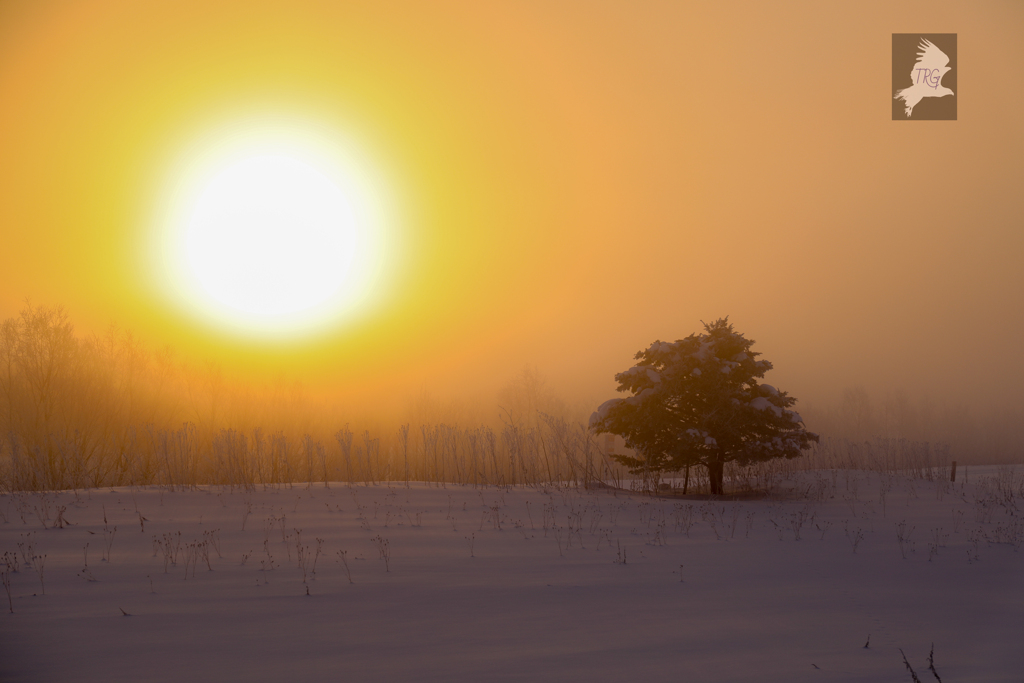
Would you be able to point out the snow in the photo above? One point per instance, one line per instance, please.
(729, 366)
(705, 348)
(700, 434)
(602, 410)
(761, 403)
(770, 389)
(640, 372)
(642, 396)
(744, 590)
(695, 372)
(660, 347)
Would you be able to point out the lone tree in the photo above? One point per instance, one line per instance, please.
(697, 401)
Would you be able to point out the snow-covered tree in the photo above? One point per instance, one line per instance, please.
(698, 401)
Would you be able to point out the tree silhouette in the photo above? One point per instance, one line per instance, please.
(697, 401)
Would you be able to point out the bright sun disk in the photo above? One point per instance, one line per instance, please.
(273, 235)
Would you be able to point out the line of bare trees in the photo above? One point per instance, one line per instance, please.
(82, 412)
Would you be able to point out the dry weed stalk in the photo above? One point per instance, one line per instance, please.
(39, 562)
(343, 555)
(903, 538)
(5, 578)
(384, 547)
(913, 674)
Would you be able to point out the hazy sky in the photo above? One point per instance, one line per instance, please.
(570, 180)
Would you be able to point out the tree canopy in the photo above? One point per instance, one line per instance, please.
(698, 401)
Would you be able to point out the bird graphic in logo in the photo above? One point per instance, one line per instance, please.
(926, 76)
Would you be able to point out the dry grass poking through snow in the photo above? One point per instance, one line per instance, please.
(388, 582)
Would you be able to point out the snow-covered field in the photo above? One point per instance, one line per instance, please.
(516, 585)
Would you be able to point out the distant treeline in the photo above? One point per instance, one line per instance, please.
(90, 411)
(975, 434)
(101, 411)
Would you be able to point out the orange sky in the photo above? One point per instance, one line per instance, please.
(573, 181)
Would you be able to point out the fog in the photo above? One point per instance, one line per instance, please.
(574, 181)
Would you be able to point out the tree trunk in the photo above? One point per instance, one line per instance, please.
(686, 481)
(715, 470)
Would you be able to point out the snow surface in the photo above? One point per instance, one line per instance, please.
(710, 590)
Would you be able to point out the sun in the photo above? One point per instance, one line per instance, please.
(274, 231)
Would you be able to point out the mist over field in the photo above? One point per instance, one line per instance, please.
(507, 341)
(591, 180)
(81, 411)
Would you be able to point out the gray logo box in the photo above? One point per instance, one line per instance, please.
(924, 77)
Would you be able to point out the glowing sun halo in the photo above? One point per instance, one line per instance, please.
(273, 235)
